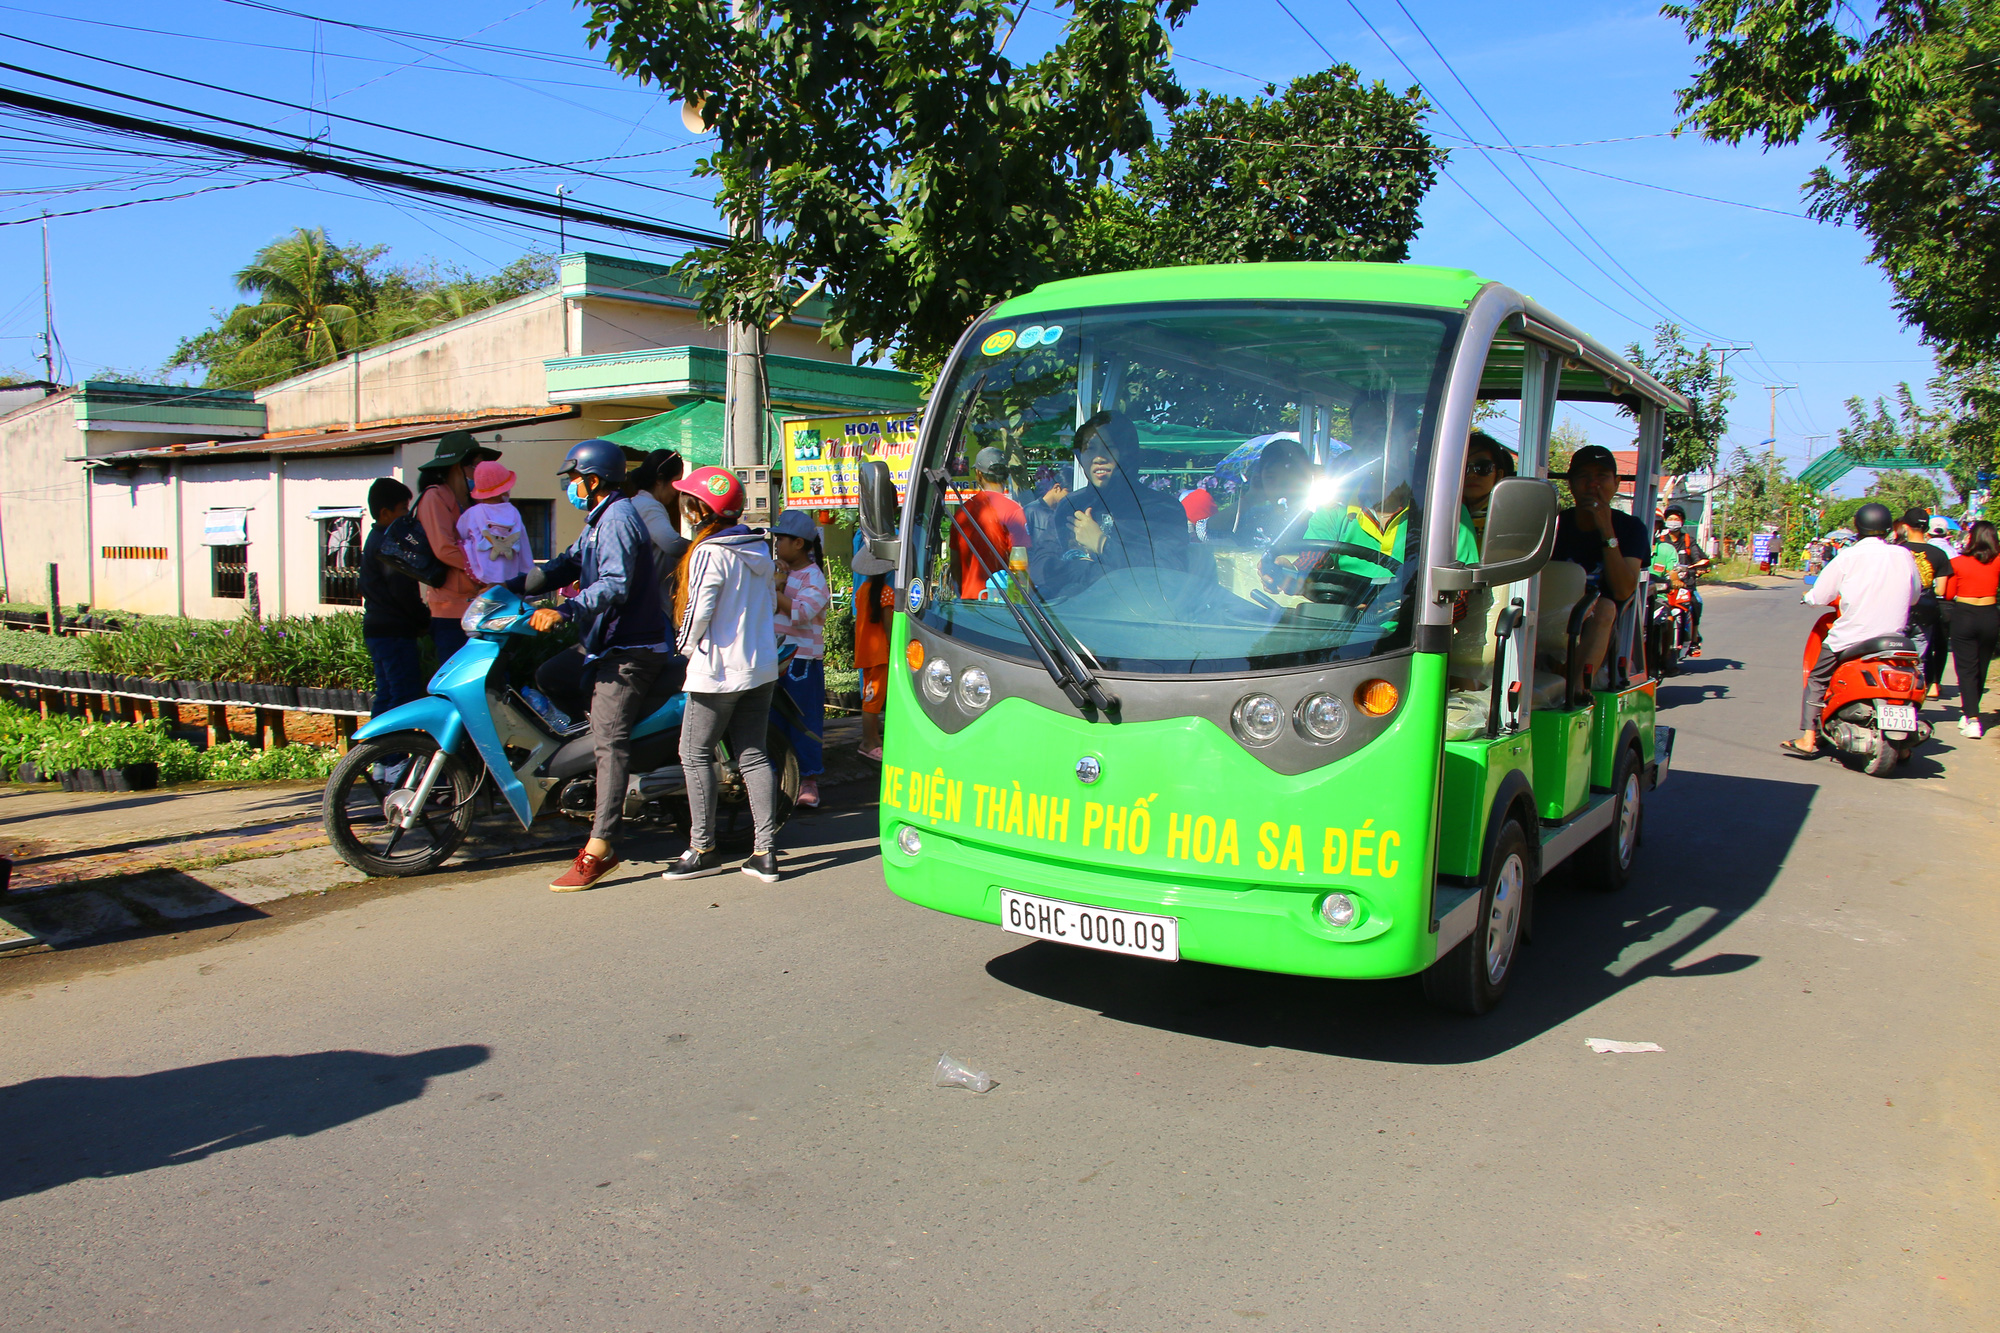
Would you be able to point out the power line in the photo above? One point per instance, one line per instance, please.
(335, 115)
(359, 171)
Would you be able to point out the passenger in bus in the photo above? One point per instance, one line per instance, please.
(1114, 521)
(1607, 544)
(1272, 499)
(1486, 462)
(1051, 488)
(987, 527)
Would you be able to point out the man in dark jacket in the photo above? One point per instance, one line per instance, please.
(1115, 520)
(393, 614)
(625, 640)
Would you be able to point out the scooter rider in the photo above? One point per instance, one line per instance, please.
(1694, 563)
(624, 647)
(1876, 584)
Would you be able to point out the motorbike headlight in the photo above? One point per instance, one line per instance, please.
(488, 612)
(936, 676)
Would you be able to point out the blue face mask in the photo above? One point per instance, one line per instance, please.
(576, 495)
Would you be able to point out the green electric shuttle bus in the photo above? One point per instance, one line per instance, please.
(1336, 727)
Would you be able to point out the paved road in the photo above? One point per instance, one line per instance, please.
(475, 1104)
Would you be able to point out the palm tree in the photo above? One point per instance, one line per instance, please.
(312, 299)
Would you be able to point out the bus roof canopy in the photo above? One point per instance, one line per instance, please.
(1592, 372)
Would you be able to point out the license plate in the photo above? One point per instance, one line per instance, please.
(1092, 927)
(1896, 717)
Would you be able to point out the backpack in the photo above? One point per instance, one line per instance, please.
(406, 550)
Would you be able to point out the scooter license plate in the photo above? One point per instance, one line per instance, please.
(1896, 717)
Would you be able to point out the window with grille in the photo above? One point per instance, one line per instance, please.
(539, 518)
(229, 567)
(340, 561)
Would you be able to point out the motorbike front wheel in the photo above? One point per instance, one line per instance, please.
(375, 783)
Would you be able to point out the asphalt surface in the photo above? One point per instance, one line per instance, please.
(475, 1104)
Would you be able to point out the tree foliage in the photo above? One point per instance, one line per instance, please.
(312, 301)
(1328, 169)
(893, 150)
(1912, 105)
(1955, 432)
(1694, 438)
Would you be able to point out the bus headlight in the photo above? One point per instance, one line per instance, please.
(909, 840)
(1321, 717)
(1336, 909)
(937, 680)
(975, 691)
(1258, 719)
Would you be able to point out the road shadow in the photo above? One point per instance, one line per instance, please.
(1695, 682)
(1730, 837)
(57, 1130)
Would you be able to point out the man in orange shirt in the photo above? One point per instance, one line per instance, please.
(446, 486)
(998, 515)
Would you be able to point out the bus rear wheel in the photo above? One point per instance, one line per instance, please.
(1605, 862)
(1473, 976)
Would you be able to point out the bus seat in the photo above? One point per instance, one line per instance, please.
(1550, 687)
(1465, 715)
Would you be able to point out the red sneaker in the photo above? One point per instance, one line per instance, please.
(583, 873)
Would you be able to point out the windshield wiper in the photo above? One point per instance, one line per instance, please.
(1061, 662)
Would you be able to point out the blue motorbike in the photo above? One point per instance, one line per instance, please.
(403, 798)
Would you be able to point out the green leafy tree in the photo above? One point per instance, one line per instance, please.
(1693, 438)
(1911, 103)
(313, 301)
(1904, 491)
(1329, 169)
(894, 152)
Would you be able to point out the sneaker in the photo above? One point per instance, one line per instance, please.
(1972, 727)
(764, 866)
(1695, 651)
(808, 793)
(583, 873)
(692, 864)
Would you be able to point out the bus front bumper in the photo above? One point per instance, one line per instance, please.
(1247, 926)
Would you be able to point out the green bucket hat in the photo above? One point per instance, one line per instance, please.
(458, 447)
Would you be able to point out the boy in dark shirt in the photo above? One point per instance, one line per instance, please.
(393, 614)
(1926, 618)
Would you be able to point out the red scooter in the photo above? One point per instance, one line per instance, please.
(1872, 702)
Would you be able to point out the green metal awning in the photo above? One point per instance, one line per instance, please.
(693, 429)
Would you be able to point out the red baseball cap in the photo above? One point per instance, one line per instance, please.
(1198, 504)
(716, 487)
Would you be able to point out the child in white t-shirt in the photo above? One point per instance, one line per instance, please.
(491, 531)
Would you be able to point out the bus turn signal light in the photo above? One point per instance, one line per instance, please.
(914, 655)
(1377, 698)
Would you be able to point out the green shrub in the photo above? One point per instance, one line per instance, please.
(43, 650)
(60, 744)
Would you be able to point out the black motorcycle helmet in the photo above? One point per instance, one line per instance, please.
(1873, 520)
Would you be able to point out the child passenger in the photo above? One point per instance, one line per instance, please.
(491, 531)
(802, 603)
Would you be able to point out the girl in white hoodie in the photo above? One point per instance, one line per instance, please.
(726, 610)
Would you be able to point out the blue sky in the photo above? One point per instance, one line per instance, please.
(130, 280)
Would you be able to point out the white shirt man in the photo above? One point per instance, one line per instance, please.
(1877, 584)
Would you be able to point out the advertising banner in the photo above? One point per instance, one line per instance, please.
(823, 456)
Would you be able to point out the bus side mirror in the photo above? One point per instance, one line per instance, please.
(878, 510)
(1520, 533)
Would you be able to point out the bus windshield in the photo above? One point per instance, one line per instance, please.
(1199, 488)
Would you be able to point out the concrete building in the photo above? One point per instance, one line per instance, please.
(165, 500)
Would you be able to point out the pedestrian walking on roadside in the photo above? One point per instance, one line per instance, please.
(725, 614)
(1926, 618)
(491, 532)
(1973, 590)
(874, 613)
(623, 647)
(393, 614)
(444, 491)
(802, 603)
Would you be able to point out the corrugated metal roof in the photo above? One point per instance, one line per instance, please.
(374, 439)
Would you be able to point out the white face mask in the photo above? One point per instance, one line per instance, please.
(1673, 525)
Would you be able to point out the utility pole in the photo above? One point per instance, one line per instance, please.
(743, 377)
(1771, 456)
(562, 224)
(48, 311)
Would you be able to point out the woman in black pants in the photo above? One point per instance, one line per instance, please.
(1974, 592)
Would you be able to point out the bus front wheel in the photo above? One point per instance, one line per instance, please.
(1606, 860)
(1473, 975)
